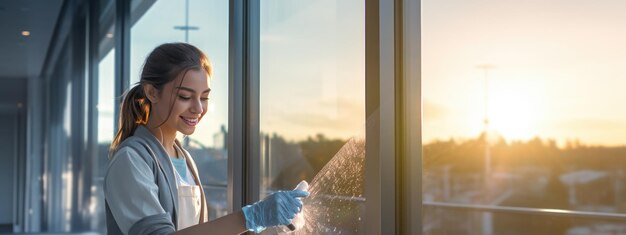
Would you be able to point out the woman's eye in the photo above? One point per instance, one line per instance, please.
(204, 98)
(184, 97)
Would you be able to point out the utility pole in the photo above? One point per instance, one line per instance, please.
(486, 68)
(186, 27)
(487, 216)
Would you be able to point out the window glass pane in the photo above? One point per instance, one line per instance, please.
(161, 23)
(522, 108)
(105, 108)
(312, 91)
(106, 100)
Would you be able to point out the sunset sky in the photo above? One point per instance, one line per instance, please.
(560, 69)
(560, 66)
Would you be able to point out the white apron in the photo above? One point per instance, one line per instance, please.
(189, 198)
(189, 203)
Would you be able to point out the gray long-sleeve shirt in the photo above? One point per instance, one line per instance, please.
(140, 187)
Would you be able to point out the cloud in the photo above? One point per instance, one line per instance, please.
(433, 111)
(336, 118)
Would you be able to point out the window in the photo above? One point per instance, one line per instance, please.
(522, 113)
(166, 21)
(105, 112)
(106, 122)
(312, 107)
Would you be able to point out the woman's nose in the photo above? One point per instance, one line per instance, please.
(196, 107)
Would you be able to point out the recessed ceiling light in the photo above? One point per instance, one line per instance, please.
(109, 35)
(25, 33)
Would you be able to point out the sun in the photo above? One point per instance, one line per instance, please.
(512, 117)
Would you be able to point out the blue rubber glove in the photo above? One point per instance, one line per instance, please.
(276, 209)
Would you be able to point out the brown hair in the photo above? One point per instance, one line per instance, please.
(164, 64)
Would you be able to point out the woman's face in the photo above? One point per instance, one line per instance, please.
(188, 102)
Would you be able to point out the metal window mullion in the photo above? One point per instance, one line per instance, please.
(16, 200)
(393, 161)
(79, 46)
(122, 53)
(33, 195)
(380, 160)
(93, 62)
(388, 113)
(253, 155)
(411, 151)
(93, 59)
(235, 105)
(372, 104)
(243, 138)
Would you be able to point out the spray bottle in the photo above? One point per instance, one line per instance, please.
(298, 221)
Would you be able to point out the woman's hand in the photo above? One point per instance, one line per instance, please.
(276, 209)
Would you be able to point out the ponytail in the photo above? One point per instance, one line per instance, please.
(134, 111)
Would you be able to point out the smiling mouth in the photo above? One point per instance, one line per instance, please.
(190, 121)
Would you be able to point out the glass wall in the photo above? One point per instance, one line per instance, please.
(312, 108)
(312, 104)
(522, 112)
(205, 25)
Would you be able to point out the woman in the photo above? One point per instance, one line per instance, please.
(152, 185)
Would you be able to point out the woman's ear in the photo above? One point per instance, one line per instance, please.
(151, 93)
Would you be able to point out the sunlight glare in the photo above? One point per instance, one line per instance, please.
(512, 117)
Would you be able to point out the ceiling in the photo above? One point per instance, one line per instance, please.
(23, 56)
